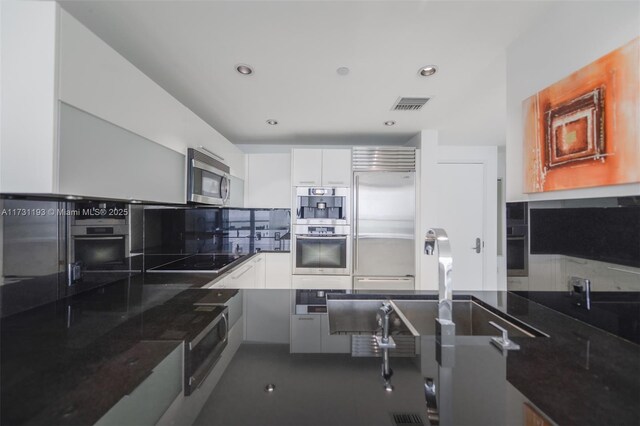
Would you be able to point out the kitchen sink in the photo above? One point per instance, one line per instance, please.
(417, 317)
(470, 317)
(358, 316)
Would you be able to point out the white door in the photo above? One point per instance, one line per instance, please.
(460, 210)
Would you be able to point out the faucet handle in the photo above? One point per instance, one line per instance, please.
(503, 342)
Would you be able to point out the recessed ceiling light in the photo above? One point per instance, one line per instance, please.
(343, 71)
(427, 71)
(272, 122)
(244, 69)
(390, 123)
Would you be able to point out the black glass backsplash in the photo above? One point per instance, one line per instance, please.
(607, 234)
(215, 230)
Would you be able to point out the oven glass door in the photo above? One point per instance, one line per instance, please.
(321, 254)
(209, 187)
(100, 253)
(203, 354)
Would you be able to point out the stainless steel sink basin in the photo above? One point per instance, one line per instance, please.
(358, 316)
(470, 317)
(417, 317)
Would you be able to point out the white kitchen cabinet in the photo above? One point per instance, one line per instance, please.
(236, 306)
(50, 60)
(259, 264)
(266, 316)
(244, 276)
(307, 167)
(265, 270)
(336, 167)
(236, 192)
(269, 180)
(321, 282)
(148, 402)
(305, 334)
(278, 270)
(310, 334)
(99, 159)
(333, 343)
(322, 167)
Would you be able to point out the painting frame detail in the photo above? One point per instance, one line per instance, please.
(583, 131)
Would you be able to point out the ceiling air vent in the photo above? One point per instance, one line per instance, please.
(406, 419)
(409, 104)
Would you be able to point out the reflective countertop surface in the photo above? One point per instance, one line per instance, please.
(577, 375)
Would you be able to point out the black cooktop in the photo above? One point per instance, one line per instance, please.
(198, 263)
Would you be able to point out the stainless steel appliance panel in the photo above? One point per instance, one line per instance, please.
(383, 283)
(208, 181)
(329, 206)
(203, 352)
(384, 224)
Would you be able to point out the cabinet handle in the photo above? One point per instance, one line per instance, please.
(356, 249)
(306, 319)
(335, 182)
(242, 273)
(308, 181)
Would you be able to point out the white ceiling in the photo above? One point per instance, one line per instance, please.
(191, 49)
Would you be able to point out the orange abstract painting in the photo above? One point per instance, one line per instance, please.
(584, 130)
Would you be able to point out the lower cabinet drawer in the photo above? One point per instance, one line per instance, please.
(305, 334)
(322, 282)
(148, 402)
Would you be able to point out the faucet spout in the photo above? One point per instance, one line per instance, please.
(438, 238)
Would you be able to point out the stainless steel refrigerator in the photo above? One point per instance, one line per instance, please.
(384, 218)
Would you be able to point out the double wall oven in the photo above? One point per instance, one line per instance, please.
(321, 232)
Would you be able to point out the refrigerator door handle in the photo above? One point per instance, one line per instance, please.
(383, 279)
(356, 192)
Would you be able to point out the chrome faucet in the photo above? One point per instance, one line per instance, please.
(437, 238)
(385, 342)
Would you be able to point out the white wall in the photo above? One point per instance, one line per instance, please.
(28, 81)
(570, 36)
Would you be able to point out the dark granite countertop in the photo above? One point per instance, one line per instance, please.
(579, 375)
(68, 362)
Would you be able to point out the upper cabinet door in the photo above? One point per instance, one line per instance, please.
(336, 167)
(307, 167)
(269, 180)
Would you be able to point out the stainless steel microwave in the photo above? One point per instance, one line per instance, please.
(207, 179)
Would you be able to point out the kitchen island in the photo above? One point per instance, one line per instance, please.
(577, 375)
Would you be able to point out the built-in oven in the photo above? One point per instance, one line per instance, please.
(98, 239)
(203, 351)
(321, 249)
(517, 240)
(322, 206)
(208, 179)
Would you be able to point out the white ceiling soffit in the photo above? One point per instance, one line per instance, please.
(295, 48)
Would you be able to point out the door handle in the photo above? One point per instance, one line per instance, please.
(478, 246)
